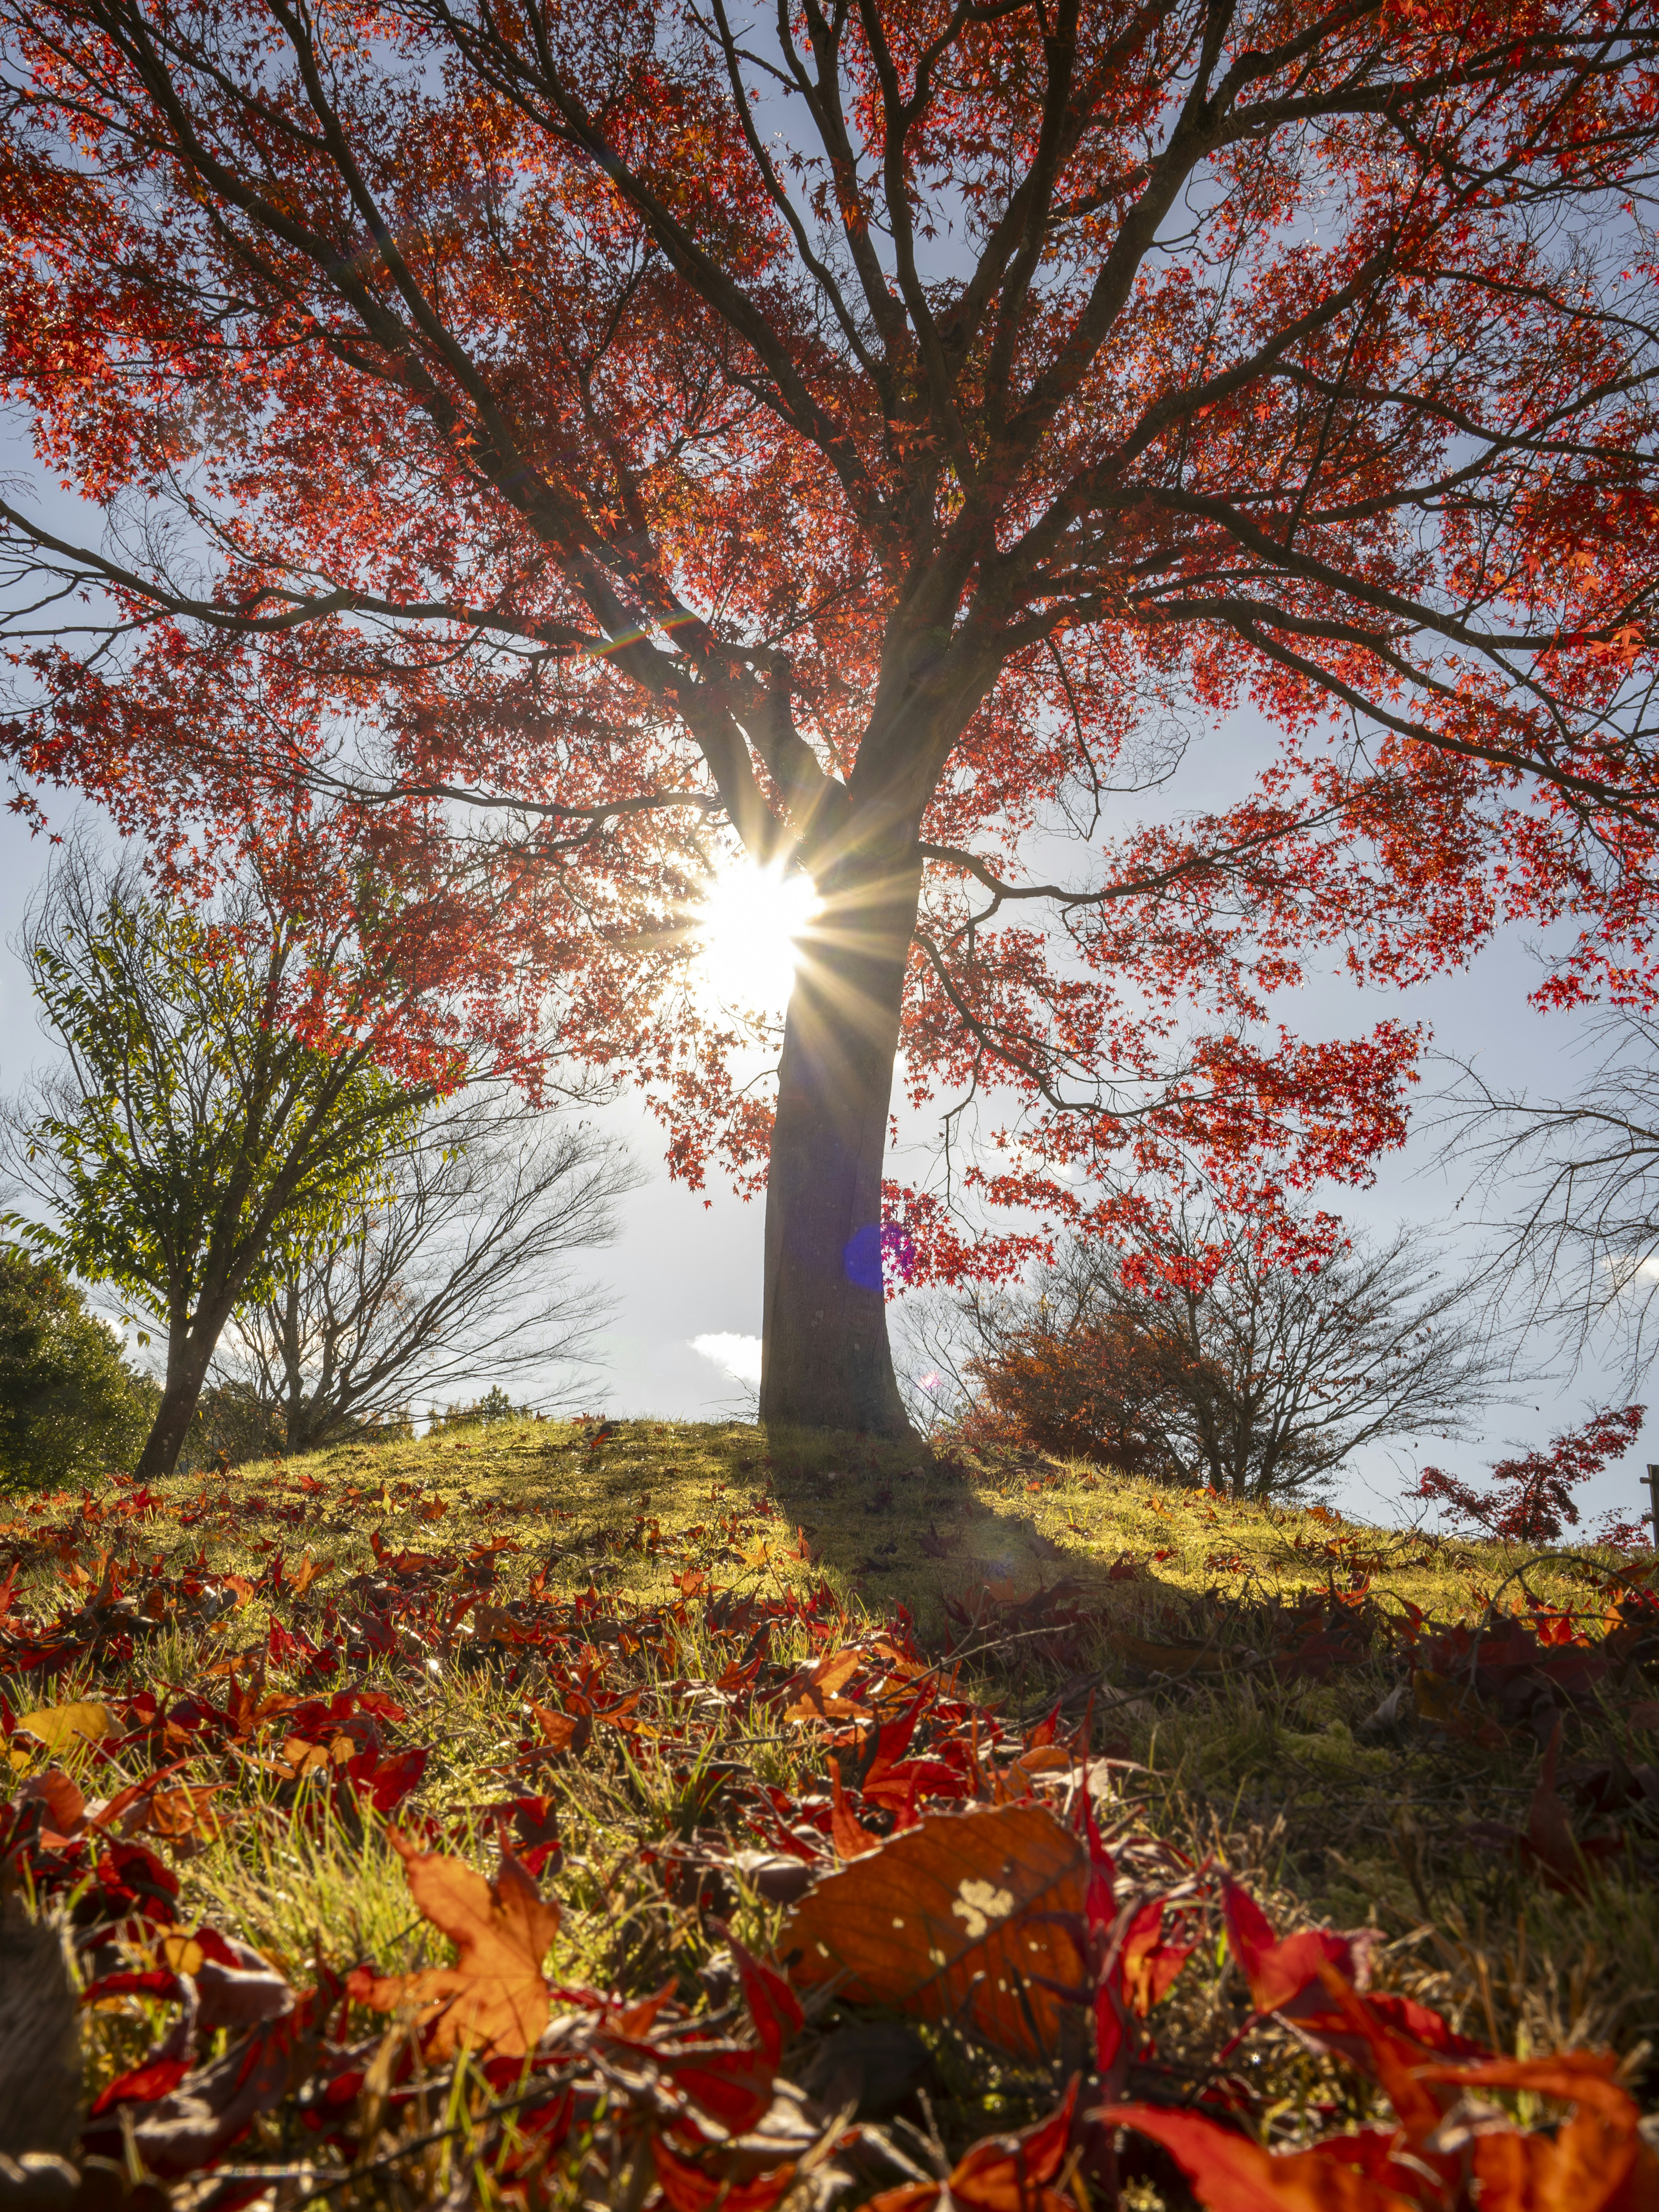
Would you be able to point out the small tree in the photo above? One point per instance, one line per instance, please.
(455, 1273)
(192, 1145)
(71, 1405)
(1531, 1499)
(1213, 1365)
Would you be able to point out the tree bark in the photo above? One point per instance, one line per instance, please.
(179, 1393)
(825, 1361)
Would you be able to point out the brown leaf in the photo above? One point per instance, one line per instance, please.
(307, 1572)
(564, 1731)
(1173, 1659)
(495, 1996)
(816, 1694)
(965, 1914)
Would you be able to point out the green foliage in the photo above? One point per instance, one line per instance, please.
(70, 1405)
(198, 1113)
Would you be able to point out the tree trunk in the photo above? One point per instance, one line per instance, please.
(825, 1361)
(179, 1393)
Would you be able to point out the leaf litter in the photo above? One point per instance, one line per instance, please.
(686, 1853)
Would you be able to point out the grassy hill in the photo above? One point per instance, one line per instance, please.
(1358, 1722)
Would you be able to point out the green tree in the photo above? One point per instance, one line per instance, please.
(193, 1144)
(70, 1404)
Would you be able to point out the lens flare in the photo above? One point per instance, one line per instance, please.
(748, 928)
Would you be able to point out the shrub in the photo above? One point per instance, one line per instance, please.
(71, 1405)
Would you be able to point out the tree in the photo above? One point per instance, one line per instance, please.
(1530, 1500)
(1574, 1186)
(193, 1145)
(1212, 1365)
(454, 1274)
(71, 1405)
(858, 434)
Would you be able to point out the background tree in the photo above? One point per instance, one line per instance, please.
(1571, 1190)
(457, 1273)
(1213, 1365)
(71, 1405)
(1530, 1499)
(848, 432)
(193, 1144)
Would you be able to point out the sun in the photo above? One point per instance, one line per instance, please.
(748, 926)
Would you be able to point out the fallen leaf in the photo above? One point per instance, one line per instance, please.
(59, 1725)
(495, 1996)
(1230, 2173)
(307, 1572)
(814, 1695)
(1279, 1971)
(1173, 1659)
(972, 1913)
(687, 2188)
(772, 2004)
(1003, 2173)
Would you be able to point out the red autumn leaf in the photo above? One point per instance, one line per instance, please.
(1002, 2173)
(1230, 2173)
(976, 1912)
(495, 1996)
(204, 2111)
(142, 2085)
(851, 1838)
(773, 2005)
(1280, 1970)
(1147, 1965)
(688, 2188)
(386, 1781)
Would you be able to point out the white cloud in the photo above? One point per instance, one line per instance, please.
(740, 1356)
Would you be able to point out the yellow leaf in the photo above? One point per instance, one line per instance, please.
(61, 1726)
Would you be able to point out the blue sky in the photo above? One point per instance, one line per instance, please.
(687, 1265)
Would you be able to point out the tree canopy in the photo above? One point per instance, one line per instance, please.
(872, 431)
(193, 1148)
(71, 1405)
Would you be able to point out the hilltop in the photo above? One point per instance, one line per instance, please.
(602, 1641)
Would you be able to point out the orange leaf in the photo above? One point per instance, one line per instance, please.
(495, 1996)
(306, 1573)
(1003, 2173)
(564, 1731)
(968, 1913)
(687, 2188)
(816, 1693)
(1230, 2173)
(1594, 2159)
(851, 1838)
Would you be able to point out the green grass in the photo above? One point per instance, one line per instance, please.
(1290, 1781)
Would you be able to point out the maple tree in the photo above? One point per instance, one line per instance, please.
(1219, 1368)
(599, 437)
(1530, 1500)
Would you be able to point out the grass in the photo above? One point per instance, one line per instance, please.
(1148, 1616)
